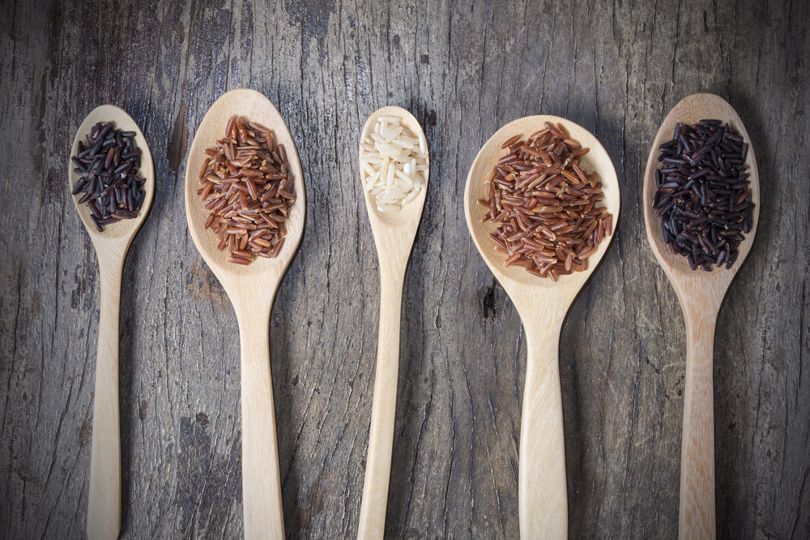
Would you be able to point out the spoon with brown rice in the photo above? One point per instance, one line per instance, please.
(531, 211)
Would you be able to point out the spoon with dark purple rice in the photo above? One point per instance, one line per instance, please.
(112, 182)
(701, 209)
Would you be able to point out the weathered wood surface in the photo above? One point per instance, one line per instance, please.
(614, 67)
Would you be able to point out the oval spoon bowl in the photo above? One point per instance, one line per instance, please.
(411, 212)
(690, 110)
(126, 228)
(596, 160)
(256, 107)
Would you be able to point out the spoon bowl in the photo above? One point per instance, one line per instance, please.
(111, 245)
(251, 289)
(515, 279)
(394, 234)
(254, 106)
(700, 294)
(407, 218)
(691, 110)
(542, 304)
(121, 232)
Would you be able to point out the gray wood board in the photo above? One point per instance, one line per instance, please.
(463, 70)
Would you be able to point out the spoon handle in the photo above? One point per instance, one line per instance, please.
(542, 491)
(383, 409)
(261, 478)
(696, 514)
(104, 498)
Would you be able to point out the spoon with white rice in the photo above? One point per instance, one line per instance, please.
(393, 162)
(394, 173)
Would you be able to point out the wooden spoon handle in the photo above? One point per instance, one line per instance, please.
(383, 410)
(104, 498)
(542, 491)
(696, 515)
(261, 478)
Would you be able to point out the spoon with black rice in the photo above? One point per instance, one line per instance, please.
(701, 209)
(111, 179)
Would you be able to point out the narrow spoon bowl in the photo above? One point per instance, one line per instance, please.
(394, 234)
(111, 245)
(700, 295)
(251, 289)
(542, 304)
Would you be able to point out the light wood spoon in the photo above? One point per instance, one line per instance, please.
(542, 305)
(104, 498)
(700, 294)
(251, 290)
(394, 234)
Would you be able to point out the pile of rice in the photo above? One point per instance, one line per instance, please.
(393, 164)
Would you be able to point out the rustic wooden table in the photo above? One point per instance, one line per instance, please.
(464, 70)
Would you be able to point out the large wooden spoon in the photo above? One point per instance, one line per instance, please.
(700, 295)
(394, 234)
(542, 305)
(104, 499)
(251, 289)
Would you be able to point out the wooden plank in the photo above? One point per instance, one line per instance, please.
(463, 69)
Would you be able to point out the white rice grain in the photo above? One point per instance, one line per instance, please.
(393, 164)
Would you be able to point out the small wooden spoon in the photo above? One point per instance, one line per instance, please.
(104, 499)
(700, 294)
(394, 234)
(542, 305)
(251, 289)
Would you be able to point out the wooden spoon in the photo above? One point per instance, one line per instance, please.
(104, 499)
(394, 234)
(542, 305)
(251, 289)
(700, 294)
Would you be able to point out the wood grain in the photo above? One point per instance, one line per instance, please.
(463, 69)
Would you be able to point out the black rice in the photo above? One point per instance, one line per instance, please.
(108, 163)
(703, 196)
